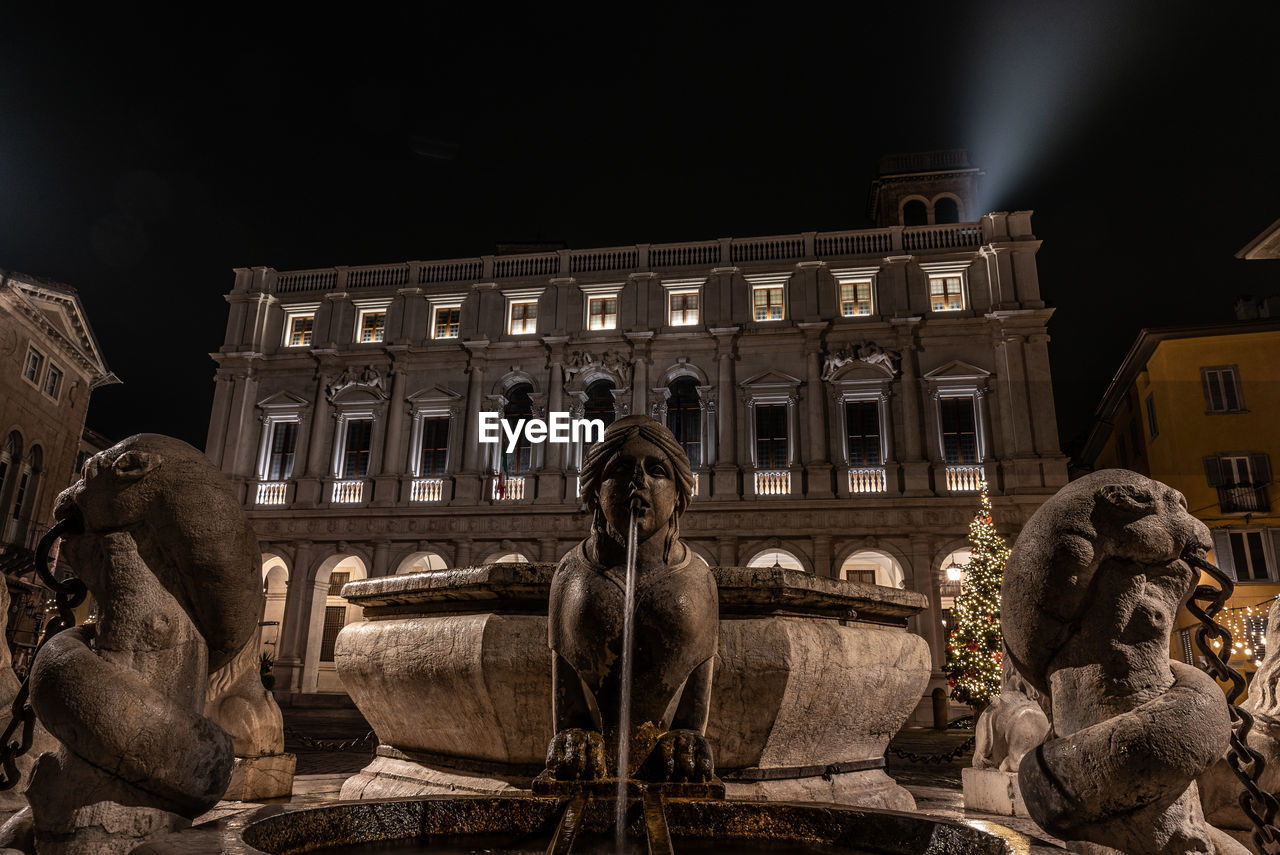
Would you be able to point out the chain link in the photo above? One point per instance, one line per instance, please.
(368, 742)
(946, 757)
(68, 594)
(1258, 805)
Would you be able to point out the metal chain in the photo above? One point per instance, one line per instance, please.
(946, 757)
(1258, 804)
(368, 741)
(68, 594)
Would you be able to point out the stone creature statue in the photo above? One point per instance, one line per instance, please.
(1220, 789)
(866, 351)
(1090, 593)
(241, 705)
(1011, 726)
(163, 545)
(676, 618)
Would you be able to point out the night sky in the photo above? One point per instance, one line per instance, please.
(143, 157)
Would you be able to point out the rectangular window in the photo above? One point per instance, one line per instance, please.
(946, 293)
(1153, 427)
(284, 436)
(448, 322)
(336, 581)
(959, 430)
(1241, 480)
(603, 313)
(31, 368)
(435, 447)
(524, 318)
(373, 324)
(1248, 555)
(771, 436)
(1221, 389)
(335, 618)
(862, 423)
(53, 382)
(300, 327)
(767, 300)
(855, 299)
(686, 425)
(684, 309)
(355, 450)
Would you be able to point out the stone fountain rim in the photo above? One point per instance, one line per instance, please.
(743, 591)
(381, 821)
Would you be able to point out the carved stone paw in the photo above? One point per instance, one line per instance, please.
(682, 756)
(576, 755)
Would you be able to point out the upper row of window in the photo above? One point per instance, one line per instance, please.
(768, 301)
(47, 379)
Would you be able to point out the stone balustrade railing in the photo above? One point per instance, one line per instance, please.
(633, 259)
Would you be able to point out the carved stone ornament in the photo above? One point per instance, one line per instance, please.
(614, 361)
(368, 377)
(865, 351)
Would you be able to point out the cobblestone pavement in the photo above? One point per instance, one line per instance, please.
(340, 724)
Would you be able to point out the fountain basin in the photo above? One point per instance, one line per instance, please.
(812, 678)
(734, 825)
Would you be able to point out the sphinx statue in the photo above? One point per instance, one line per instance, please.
(1090, 594)
(676, 619)
(159, 539)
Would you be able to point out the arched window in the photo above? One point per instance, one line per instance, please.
(914, 213)
(684, 417)
(25, 495)
(945, 210)
(9, 455)
(519, 406)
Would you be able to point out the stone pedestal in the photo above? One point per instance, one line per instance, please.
(992, 791)
(269, 776)
(453, 673)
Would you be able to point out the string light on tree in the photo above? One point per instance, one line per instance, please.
(975, 644)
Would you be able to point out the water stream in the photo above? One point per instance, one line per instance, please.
(624, 712)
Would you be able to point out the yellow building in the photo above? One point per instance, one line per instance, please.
(1198, 408)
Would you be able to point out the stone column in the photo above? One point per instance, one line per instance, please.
(297, 620)
(551, 481)
(640, 371)
(462, 553)
(915, 469)
(822, 556)
(925, 579)
(725, 478)
(223, 388)
(244, 425)
(817, 462)
(547, 549)
(467, 483)
(381, 559)
(727, 550)
(395, 462)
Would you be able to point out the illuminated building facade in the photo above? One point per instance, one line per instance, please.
(840, 395)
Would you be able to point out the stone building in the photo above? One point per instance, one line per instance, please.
(841, 395)
(52, 363)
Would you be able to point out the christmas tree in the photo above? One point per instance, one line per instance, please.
(974, 647)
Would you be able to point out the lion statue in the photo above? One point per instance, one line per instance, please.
(1090, 594)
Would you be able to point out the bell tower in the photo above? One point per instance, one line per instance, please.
(924, 188)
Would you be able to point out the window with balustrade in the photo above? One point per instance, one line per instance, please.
(433, 451)
(1249, 555)
(959, 430)
(772, 436)
(283, 441)
(357, 443)
(1221, 389)
(862, 432)
(1241, 481)
(684, 417)
(448, 322)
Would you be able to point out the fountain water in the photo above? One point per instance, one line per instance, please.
(624, 706)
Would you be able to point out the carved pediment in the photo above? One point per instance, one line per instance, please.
(368, 378)
(957, 370)
(435, 395)
(857, 356)
(283, 401)
(771, 378)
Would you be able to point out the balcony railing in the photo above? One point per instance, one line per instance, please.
(273, 492)
(510, 489)
(348, 492)
(965, 479)
(426, 490)
(773, 482)
(1243, 499)
(867, 479)
(635, 258)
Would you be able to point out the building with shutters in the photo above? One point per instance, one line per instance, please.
(1198, 408)
(841, 396)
